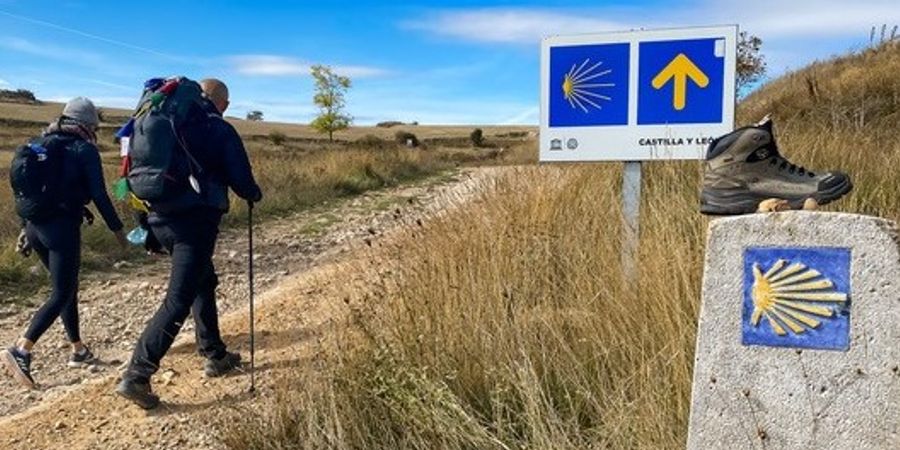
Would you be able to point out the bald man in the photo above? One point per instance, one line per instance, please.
(190, 238)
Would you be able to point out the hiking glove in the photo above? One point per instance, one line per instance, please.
(23, 247)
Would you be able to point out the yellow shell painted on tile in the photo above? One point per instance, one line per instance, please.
(792, 296)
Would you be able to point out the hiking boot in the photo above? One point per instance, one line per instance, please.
(219, 367)
(18, 364)
(139, 393)
(744, 167)
(83, 359)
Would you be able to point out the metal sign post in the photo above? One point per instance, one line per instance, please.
(636, 96)
(631, 214)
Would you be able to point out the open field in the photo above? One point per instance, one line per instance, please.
(47, 111)
(506, 325)
(296, 171)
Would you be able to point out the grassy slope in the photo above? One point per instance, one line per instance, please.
(507, 325)
(300, 172)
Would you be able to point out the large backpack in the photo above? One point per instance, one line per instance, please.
(36, 177)
(161, 167)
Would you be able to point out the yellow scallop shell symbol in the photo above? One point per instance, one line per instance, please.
(792, 296)
(582, 86)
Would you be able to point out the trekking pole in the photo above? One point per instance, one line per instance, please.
(250, 276)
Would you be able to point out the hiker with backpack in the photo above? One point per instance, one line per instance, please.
(53, 177)
(183, 159)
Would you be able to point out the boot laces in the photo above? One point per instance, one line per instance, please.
(783, 164)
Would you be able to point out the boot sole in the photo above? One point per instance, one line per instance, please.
(14, 370)
(221, 373)
(140, 400)
(731, 203)
(81, 365)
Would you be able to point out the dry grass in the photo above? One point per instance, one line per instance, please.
(506, 324)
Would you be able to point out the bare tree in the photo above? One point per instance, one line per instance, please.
(751, 65)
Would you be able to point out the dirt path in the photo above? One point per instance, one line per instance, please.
(304, 264)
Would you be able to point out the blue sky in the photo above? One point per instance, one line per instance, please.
(434, 62)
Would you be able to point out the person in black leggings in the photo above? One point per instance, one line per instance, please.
(57, 240)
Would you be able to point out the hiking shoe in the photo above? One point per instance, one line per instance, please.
(18, 364)
(83, 359)
(139, 393)
(744, 167)
(219, 367)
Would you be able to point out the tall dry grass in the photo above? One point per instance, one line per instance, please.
(506, 324)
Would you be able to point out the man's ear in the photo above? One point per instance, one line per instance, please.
(225, 106)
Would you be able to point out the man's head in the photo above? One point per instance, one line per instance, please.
(83, 111)
(216, 91)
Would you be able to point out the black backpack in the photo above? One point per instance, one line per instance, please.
(161, 167)
(36, 177)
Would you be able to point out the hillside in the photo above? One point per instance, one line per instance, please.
(505, 324)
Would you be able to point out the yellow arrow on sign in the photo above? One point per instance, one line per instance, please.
(679, 70)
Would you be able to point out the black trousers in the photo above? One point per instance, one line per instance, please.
(57, 243)
(190, 239)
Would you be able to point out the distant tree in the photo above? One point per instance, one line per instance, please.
(329, 98)
(751, 64)
(255, 116)
(477, 137)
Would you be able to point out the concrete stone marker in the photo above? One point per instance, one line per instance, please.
(799, 339)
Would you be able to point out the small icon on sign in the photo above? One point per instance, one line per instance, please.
(556, 145)
(572, 144)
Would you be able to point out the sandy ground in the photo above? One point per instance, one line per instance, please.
(305, 264)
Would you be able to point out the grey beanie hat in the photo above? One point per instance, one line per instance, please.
(82, 110)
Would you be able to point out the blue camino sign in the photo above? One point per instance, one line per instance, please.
(589, 85)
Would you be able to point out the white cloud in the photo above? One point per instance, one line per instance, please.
(769, 19)
(4, 83)
(509, 25)
(283, 66)
(51, 51)
(808, 18)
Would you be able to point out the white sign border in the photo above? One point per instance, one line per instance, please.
(626, 147)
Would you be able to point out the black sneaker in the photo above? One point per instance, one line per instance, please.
(139, 393)
(83, 359)
(219, 367)
(19, 366)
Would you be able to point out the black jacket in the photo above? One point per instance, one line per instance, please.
(83, 182)
(219, 151)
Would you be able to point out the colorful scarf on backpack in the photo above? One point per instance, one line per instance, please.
(72, 126)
